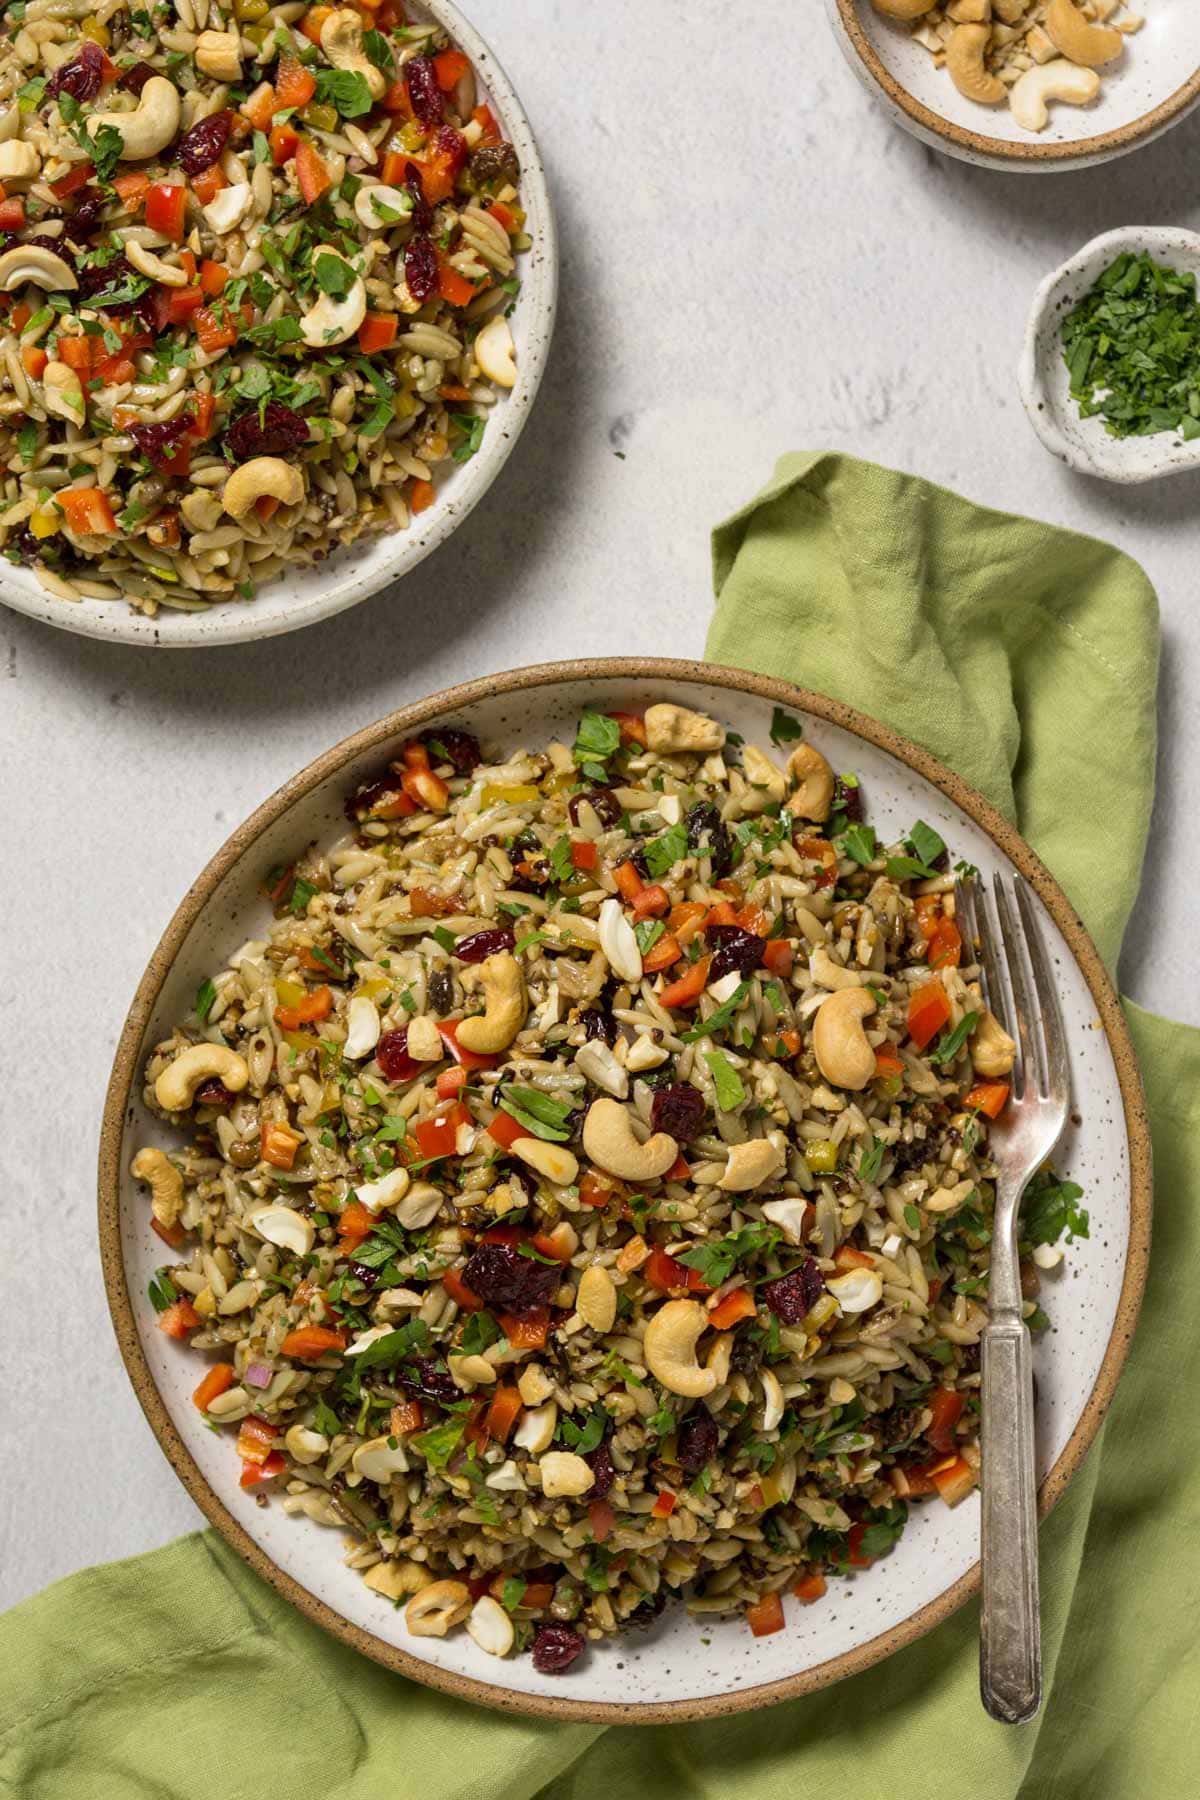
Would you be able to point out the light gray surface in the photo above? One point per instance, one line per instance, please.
(753, 261)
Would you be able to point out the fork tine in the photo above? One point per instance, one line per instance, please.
(1054, 1038)
(979, 927)
(1033, 1070)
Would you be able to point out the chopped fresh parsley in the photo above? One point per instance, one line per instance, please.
(647, 932)
(726, 1080)
(717, 1021)
(951, 1042)
(662, 853)
(1132, 349)
(858, 842)
(871, 1160)
(1050, 1208)
(206, 995)
(438, 1444)
(596, 739)
(344, 89)
(541, 1115)
(784, 728)
(472, 428)
(715, 1262)
(585, 1437)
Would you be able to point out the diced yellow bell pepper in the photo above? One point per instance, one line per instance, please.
(289, 993)
(514, 795)
(821, 1155)
(98, 33)
(300, 1041)
(45, 524)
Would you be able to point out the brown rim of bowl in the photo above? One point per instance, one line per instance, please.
(1121, 137)
(643, 671)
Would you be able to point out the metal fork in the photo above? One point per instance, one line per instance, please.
(1020, 990)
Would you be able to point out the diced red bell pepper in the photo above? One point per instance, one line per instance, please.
(888, 1062)
(946, 1407)
(450, 1083)
(765, 1615)
(317, 1004)
(633, 726)
(279, 1144)
(778, 957)
(256, 1438)
(584, 854)
(377, 332)
(178, 1319)
(629, 882)
(733, 1309)
(990, 1097)
(284, 142)
(355, 1222)
(945, 946)
(212, 333)
(928, 1011)
(407, 1416)
(173, 1235)
(664, 1505)
(87, 511)
(529, 1332)
(503, 1412)
(255, 1473)
(688, 989)
(260, 107)
(596, 1189)
(435, 1137)
(208, 184)
(601, 1519)
(953, 1479)
(665, 1273)
(459, 1292)
(311, 174)
(294, 85)
(454, 288)
(506, 1130)
(485, 118)
(132, 189)
(308, 1342)
(166, 209)
(426, 789)
(203, 408)
(662, 955)
(651, 903)
(450, 67)
(854, 1551)
(809, 1587)
(77, 177)
(847, 1257)
(421, 496)
(12, 215)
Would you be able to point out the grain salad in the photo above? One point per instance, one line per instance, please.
(580, 1189)
(256, 264)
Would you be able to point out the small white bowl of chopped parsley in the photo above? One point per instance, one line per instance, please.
(1110, 371)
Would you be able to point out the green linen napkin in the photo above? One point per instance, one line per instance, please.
(1025, 657)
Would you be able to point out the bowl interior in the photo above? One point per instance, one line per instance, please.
(1159, 60)
(302, 595)
(684, 1665)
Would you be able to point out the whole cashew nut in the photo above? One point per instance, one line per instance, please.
(437, 1608)
(765, 784)
(964, 62)
(609, 1141)
(675, 729)
(903, 9)
(165, 1183)
(752, 1163)
(153, 267)
(812, 779)
(993, 1052)
(669, 1348)
(1057, 80)
(342, 42)
(844, 1056)
(178, 1082)
(505, 1007)
(33, 262)
(258, 478)
(1078, 39)
(149, 127)
(596, 1298)
(332, 321)
(395, 1579)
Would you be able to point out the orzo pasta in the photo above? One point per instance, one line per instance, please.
(255, 267)
(584, 1191)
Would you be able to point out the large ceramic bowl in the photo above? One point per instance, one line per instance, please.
(301, 596)
(1156, 83)
(683, 1668)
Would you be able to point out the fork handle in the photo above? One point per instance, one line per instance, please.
(1010, 1660)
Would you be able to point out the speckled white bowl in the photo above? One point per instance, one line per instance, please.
(1084, 444)
(683, 1667)
(1155, 84)
(304, 595)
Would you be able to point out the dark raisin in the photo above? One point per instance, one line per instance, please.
(678, 1110)
(600, 1462)
(493, 162)
(743, 1358)
(706, 833)
(598, 1024)
(277, 431)
(645, 1614)
(85, 215)
(368, 795)
(201, 147)
(421, 269)
(422, 212)
(161, 443)
(794, 1295)
(457, 746)
(733, 950)
(365, 1277)
(555, 1647)
(607, 806)
(847, 798)
(391, 1053)
(27, 547)
(696, 1441)
(134, 78)
(513, 1283)
(423, 90)
(80, 76)
(482, 944)
(440, 991)
(212, 1093)
(428, 1380)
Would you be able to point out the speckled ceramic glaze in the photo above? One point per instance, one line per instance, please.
(682, 1668)
(1084, 444)
(302, 595)
(1155, 84)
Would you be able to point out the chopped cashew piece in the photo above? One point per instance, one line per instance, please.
(789, 1215)
(378, 1462)
(219, 54)
(153, 267)
(535, 1433)
(199, 1062)
(304, 1445)
(63, 393)
(675, 730)
(494, 352)
(34, 263)
(766, 785)
(228, 208)
(1051, 81)
(258, 479)
(534, 1384)
(396, 1579)
(389, 1190)
(839, 1042)
(18, 161)
(283, 1227)
(420, 1206)
(505, 1008)
(165, 1182)
(595, 1060)
(490, 1627)
(772, 1399)
(596, 1298)
(618, 942)
(812, 783)
(609, 1141)
(558, 1164)
(856, 1290)
(149, 126)
(379, 206)
(438, 1608)
(424, 1039)
(564, 1475)
(750, 1164)
(669, 1347)
(362, 1027)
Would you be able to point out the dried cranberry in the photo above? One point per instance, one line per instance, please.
(391, 1053)
(134, 78)
(199, 148)
(440, 991)
(513, 1283)
(847, 797)
(482, 944)
(89, 203)
(604, 802)
(27, 547)
(707, 833)
(80, 76)
(161, 443)
(794, 1295)
(451, 148)
(678, 1110)
(734, 949)
(423, 90)
(276, 431)
(601, 1025)
(458, 747)
(555, 1648)
(365, 1277)
(369, 794)
(428, 1380)
(696, 1441)
(600, 1462)
(422, 212)
(212, 1093)
(421, 269)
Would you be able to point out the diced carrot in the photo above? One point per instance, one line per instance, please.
(279, 1144)
(311, 23)
(35, 360)
(688, 989)
(945, 946)
(927, 909)
(953, 1479)
(203, 408)
(990, 1097)
(809, 1587)
(629, 882)
(219, 1377)
(355, 1222)
(584, 854)
(765, 1615)
(132, 189)
(787, 1043)
(847, 1257)
(87, 511)
(946, 1407)
(459, 1292)
(208, 184)
(928, 1011)
(256, 1438)
(376, 332)
(662, 955)
(308, 1342)
(311, 173)
(496, 210)
(450, 67)
(888, 1062)
(664, 1505)
(651, 903)
(778, 957)
(687, 919)
(502, 1414)
(601, 1519)
(529, 1332)
(485, 118)
(733, 1309)
(20, 316)
(294, 85)
(407, 1416)
(506, 1130)
(317, 1004)
(421, 496)
(255, 1473)
(454, 288)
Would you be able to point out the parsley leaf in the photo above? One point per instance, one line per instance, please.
(871, 1160)
(785, 729)
(585, 1437)
(858, 841)
(541, 1115)
(596, 739)
(395, 1346)
(716, 1261)
(951, 1042)
(1049, 1208)
(107, 146)
(346, 90)
(726, 1080)
(206, 995)
(662, 853)
(925, 843)
(162, 1291)
(438, 1444)
(717, 1021)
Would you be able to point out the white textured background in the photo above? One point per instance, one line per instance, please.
(753, 260)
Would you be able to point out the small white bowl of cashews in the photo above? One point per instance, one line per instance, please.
(1027, 85)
